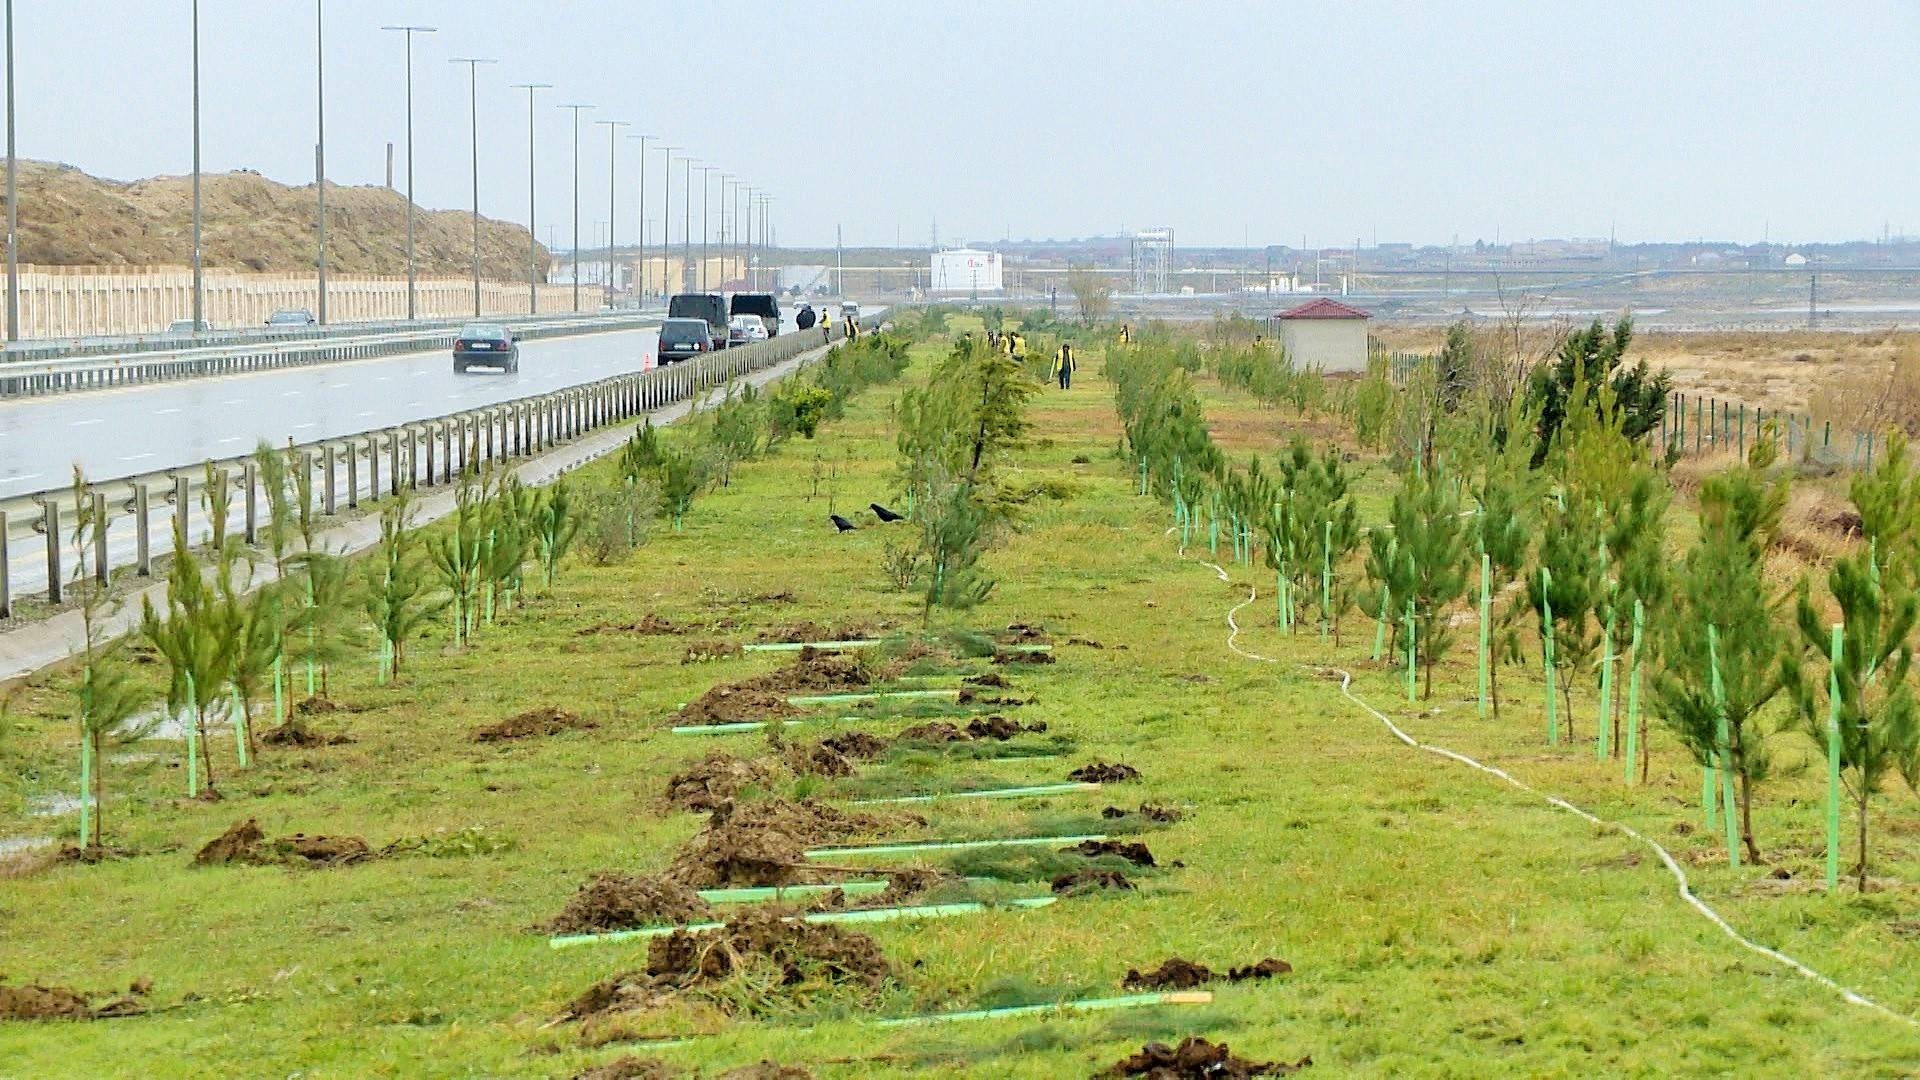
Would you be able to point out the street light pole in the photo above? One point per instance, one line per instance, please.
(686, 222)
(576, 203)
(320, 141)
(640, 292)
(199, 285)
(613, 131)
(13, 211)
(409, 31)
(753, 268)
(666, 213)
(706, 234)
(533, 236)
(473, 135)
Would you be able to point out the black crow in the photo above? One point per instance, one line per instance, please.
(883, 513)
(841, 523)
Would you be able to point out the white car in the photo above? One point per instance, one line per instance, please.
(745, 329)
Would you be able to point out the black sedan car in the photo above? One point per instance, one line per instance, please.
(684, 339)
(486, 345)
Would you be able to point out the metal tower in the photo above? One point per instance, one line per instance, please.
(1152, 260)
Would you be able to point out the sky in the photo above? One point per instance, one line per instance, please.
(1268, 122)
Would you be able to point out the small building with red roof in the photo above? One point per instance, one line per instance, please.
(1323, 334)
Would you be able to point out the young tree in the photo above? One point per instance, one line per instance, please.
(323, 628)
(556, 521)
(737, 427)
(195, 638)
(1712, 685)
(253, 618)
(1432, 539)
(399, 599)
(459, 554)
(1569, 552)
(954, 533)
(1507, 492)
(1593, 358)
(107, 698)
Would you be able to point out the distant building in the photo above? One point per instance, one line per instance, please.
(1324, 334)
(1795, 259)
(965, 271)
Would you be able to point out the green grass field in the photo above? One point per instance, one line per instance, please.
(1439, 922)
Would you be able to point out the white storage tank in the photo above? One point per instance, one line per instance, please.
(965, 271)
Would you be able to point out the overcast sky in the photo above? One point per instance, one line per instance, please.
(1273, 121)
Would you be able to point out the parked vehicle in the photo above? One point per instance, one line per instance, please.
(745, 330)
(188, 326)
(291, 316)
(708, 307)
(684, 339)
(486, 345)
(849, 309)
(764, 305)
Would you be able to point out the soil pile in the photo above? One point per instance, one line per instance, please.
(631, 1068)
(1162, 815)
(761, 843)
(936, 732)
(1001, 729)
(718, 779)
(1179, 974)
(1006, 656)
(789, 951)
(699, 652)
(808, 630)
(816, 759)
(650, 624)
(1023, 634)
(34, 1002)
(989, 679)
(296, 733)
(855, 745)
(766, 1070)
(1101, 772)
(534, 723)
(1132, 851)
(323, 706)
(625, 902)
(731, 705)
(1198, 1059)
(244, 844)
(1090, 880)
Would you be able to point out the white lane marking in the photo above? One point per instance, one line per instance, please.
(338, 385)
(421, 374)
(164, 412)
(232, 439)
(235, 401)
(382, 378)
(358, 415)
(23, 477)
(136, 457)
(290, 393)
(298, 427)
(84, 423)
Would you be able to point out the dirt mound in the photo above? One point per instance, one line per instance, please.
(992, 678)
(1101, 772)
(766, 1070)
(761, 843)
(625, 901)
(650, 624)
(905, 885)
(43, 1003)
(1198, 1059)
(790, 951)
(534, 723)
(1164, 815)
(318, 705)
(1023, 634)
(632, 1068)
(714, 781)
(1134, 852)
(808, 630)
(817, 672)
(1000, 728)
(1008, 656)
(816, 759)
(935, 732)
(856, 745)
(1179, 974)
(244, 844)
(731, 705)
(297, 734)
(1090, 880)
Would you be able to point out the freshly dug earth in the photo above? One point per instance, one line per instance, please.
(699, 652)
(1101, 772)
(991, 678)
(625, 902)
(243, 843)
(764, 697)
(934, 732)
(1090, 879)
(1164, 815)
(1179, 974)
(1002, 729)
(1134, 852)
(650, 624)
(1005, 656)
(541, 722)
(855, 745)
(716, 780)
(1023, 634)
(33, 1002)
(808, 630)
(731, 705)
(761, 843)
(1198, 1059)
(632, 1068)
(796, 951)
(766, 1070)
(296, 733)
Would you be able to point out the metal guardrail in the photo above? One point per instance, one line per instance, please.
(28, 378)
(348, 469)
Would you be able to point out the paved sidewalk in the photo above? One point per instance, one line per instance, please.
(37, 645)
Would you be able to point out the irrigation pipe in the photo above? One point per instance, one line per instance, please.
(951, 845)
(1131, 1001)
(796, 646)
(781, 892)
(986, 793)
(1684, 887)
(926, 911)
(876, 695)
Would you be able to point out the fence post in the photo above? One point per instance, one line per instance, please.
(353, 476)
(429, 441)
(50, 524)
(182, 507)
(143, 530)
(393, 460)
(6, 580)
(373, 467)
(329, 502)
(100, 537)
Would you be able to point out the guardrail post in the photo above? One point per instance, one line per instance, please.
(393, 461)
(50, 524)
(429, 441)
(100, 537)
(446, 450)
(327, 471)
(373, 467)
(353, 476)
(182, 496)
(250, 476)
(6, 579)
(142, 531)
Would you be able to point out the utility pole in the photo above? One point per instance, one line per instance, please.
(409, 31)
(613, 132)
(199, 284)
(320, 143)
(473, 136)
(666, 214)
(1813, 289)
(839, 275)
(13, 203)
(706, 233)
(533, 237)
(576, 203)
(640, 289)
(686, 221)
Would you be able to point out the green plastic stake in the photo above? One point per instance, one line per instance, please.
(239, 728)
(1031, 790)
(193, 745)
(1486, 631)
(1213, 531)
(1546, 643)
(1131, 1001)
(1280, 598)
(1380, 623)
(1603, 744)
(949, 845)
(1143, 476)
(751, 895)
(1326, 582)
(1709, 796)
(1410, 652)
(1833, 760)
(279, 690)
(1633, 688)
(86, 787)
(1725, 752)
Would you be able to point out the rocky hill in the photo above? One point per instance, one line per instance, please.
(68, 218)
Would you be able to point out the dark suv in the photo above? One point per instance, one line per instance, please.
(684, 339)
(761, 304)
(709, 307)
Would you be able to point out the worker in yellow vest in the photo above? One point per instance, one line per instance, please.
(1063, 365)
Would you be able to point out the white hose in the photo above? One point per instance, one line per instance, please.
(1679, 876)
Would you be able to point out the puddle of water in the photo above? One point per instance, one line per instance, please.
(53, 805)
(174, 728)
(19, 844)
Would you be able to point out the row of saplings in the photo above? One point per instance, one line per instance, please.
(243, 624)
(1555, 535)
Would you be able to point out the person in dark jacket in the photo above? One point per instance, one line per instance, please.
(1063, 365)
(804, 318)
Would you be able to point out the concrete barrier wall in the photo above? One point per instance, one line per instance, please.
(78, 301)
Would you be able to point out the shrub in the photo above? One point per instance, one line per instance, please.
(617, 519)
